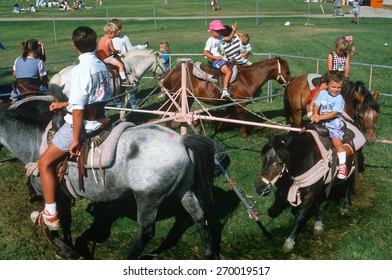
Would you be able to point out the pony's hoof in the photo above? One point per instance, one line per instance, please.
(318, 228)
(288, 246)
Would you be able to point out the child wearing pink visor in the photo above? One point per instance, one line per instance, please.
(214, 50)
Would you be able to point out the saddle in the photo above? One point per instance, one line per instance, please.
(92, 112)
(314, 81)
(206, 72)
(26, 87)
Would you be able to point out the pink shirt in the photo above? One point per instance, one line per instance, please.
(103, 46)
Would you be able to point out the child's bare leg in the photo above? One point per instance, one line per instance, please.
(46, 165)
(226, 70)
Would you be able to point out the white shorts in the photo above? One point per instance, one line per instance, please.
(63, 137)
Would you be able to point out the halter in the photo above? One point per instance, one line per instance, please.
(276, 178)
(280, 76)
(358, 123)
(158, 65)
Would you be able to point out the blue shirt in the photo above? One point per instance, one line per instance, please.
(329, 103)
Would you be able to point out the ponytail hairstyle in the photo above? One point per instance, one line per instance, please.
(33, 46)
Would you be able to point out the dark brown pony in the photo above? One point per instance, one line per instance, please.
(361, 106)
(249, 80)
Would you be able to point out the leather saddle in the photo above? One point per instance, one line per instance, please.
(206, 72)
(323, 133)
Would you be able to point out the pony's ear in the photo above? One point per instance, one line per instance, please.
(271, 138)
(158, 54)
(289, 139)
(376, 94)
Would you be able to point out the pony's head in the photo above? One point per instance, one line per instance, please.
(32, 111)
(141, 61)
(274, 159)
(362, 107)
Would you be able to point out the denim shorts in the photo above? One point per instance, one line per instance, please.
(63, 137)
(218, 64)
(335, 127)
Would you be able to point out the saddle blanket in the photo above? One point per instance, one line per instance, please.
(97, 157)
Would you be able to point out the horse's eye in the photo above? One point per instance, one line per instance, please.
(278, 163)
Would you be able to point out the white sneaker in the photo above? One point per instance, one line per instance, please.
(51, 221)
(225, 94)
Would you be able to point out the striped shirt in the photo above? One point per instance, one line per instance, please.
(233, 50)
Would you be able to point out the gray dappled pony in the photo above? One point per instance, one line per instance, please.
(150, 161)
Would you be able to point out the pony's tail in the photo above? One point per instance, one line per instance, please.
(203, 150)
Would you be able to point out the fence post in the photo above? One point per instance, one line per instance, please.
(370, 78)
(257, 13)
(54, 28)
(155, 18)
(269, 83)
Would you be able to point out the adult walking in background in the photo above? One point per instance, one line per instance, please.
(337, 8)
(356, 7)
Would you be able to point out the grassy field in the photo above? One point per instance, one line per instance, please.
(361, 235)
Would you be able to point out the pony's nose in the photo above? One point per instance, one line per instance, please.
(263, 189)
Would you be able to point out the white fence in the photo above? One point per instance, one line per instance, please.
(316, 69)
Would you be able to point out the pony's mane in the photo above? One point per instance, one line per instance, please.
(139, 52)
(34, 112)
(278, 143)
(350, 87)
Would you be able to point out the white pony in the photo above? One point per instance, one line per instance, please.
(137, 63)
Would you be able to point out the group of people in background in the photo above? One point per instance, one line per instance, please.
(338, 9)
(18, 10)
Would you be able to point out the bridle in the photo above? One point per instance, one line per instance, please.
(357, 122)
(280, 77)
(158, 65)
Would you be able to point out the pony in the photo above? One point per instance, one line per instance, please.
(304, 178)
(137, 63)
(361, 106)
(106, 213)
(249, 80)
(148, 161)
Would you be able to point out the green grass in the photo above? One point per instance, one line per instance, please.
(361, 235)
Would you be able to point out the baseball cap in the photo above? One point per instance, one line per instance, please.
(216, 25)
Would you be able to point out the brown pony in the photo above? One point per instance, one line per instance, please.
(249, 80)
(361, 106)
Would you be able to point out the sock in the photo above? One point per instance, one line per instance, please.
(51, 208)
(122, 75)
(342, 157)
